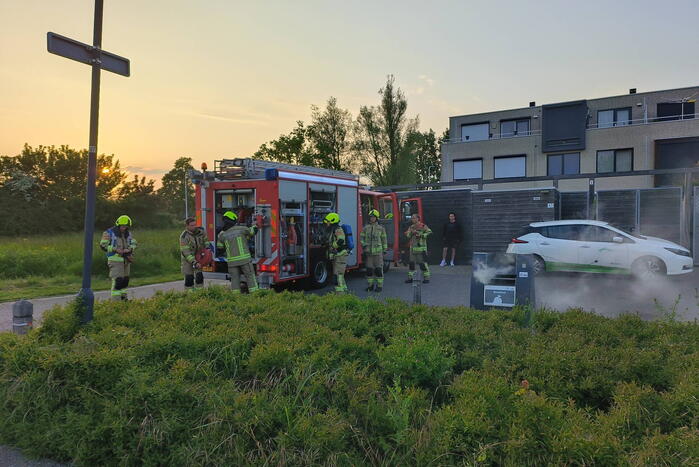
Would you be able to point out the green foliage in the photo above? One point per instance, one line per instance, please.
(35, 266)
(213, 378)
(43, 190)
(172, 190)
(383, 143)
(293, 148)
(329, 135)
(62, 254)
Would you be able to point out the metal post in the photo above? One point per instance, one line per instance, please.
(417, 283)
(591, 199)
(186, 202)
(86, 298)
(22, 316)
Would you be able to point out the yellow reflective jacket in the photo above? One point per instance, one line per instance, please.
(114, 239)
(373, 238)
(235, 241)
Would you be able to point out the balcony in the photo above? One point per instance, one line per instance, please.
(590, 126)
(491, 137)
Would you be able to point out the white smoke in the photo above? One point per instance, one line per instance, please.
(486, 274)
(501, 264)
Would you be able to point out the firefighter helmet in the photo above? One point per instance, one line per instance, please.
(332, 218)
(230, 215)
(123, 220)
(389, 215)
(374, 213)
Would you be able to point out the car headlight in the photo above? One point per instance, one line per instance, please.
(677, 251)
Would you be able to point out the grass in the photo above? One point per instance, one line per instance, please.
(213, 378)
(46, 265)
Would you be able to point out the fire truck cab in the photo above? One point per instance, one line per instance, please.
(288, 204)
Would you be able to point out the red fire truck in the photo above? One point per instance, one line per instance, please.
(288, 204)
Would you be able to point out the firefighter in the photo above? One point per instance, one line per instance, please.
(119, 245)
(374, 243)
(337, 250)
(192, 242)
(234, 238)
(417, 234)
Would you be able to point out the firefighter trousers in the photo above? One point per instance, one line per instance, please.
(246, 270)
(119, 274)
(374, 269)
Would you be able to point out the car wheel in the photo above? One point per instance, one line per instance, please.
(320, 274)
(538, 265)
(648, 267)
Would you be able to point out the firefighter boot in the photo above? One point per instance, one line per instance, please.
(411, 276)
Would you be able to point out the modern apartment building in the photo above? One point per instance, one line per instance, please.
(618, 134)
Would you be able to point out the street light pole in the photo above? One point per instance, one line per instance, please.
(98, 59)
(85, 296)
(186, 197)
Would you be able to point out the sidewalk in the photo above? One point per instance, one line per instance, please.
(41, 305)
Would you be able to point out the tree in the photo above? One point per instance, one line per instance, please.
(57, 173)
(427, 163)
(289, 149)
(172, 189)
(44, 188)
(329, 136)
(137, 188)
(382, 138)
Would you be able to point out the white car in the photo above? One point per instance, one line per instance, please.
(594, 246)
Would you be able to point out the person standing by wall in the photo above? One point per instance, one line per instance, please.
(452, 234)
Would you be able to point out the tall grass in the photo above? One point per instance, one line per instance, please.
(52, 262)
(213, 378)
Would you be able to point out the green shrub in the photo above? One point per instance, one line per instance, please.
(213, 378)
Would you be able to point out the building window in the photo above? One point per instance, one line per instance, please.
(510, 166)
(613, 117)
(615, 160)
(518, 127)
(475, 132)
(564, 164)
(468, 169)
(675, 111)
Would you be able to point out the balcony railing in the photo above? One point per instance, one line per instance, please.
(642, 121)
(519, 134)
(591, 126)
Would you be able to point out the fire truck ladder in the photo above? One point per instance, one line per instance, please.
(255, 168)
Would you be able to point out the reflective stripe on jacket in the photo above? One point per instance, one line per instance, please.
(338, 243)
(235, 241)
(192, 243)
(417, 233)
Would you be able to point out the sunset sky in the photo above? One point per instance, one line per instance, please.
(218, 78)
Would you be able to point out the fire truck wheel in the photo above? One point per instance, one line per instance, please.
(320, 274)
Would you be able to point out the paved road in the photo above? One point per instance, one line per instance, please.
(10, 457)
(41, 305)
(450, 286)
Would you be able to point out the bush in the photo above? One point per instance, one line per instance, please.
(213, 378)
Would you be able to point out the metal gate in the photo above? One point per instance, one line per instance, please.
(657, 212)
